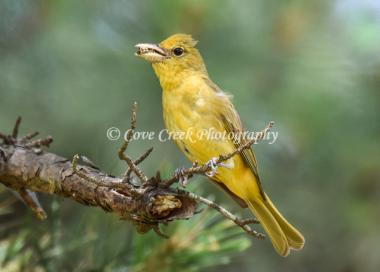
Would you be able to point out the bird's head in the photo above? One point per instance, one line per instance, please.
(175, 55)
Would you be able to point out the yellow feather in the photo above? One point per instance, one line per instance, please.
(191, 101)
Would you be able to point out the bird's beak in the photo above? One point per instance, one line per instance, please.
(151, 52)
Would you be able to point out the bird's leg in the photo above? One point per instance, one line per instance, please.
(213, 165)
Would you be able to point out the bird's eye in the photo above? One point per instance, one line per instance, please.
(178, 51)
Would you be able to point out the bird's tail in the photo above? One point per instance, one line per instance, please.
(283, 235)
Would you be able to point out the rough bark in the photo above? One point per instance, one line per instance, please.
(23, 168)
(27, 169)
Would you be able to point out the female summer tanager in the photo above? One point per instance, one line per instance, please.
(192, 102)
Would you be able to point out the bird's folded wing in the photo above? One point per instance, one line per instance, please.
(232, 124)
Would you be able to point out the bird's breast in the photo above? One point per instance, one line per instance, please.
(191, 111)
(185, 109)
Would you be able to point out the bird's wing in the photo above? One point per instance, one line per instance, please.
(232, 124)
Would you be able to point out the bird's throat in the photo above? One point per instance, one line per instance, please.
(172, 76)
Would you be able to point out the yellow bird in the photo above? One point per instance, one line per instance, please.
(193, 104)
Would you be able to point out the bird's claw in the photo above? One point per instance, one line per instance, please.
(213, 164)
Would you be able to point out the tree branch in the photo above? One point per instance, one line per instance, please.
(26, 169)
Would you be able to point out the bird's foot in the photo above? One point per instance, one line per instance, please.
(213, 164)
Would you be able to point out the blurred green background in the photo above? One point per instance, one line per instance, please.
(68, 68)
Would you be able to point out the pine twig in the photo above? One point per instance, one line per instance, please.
(139, 160)
(242, 223)
(101, 182)
(29, 136)
(205, 168)
(16, 128)
(246, 145)
(123, 148)
(30, 198)
(32, 202)
(40, 142)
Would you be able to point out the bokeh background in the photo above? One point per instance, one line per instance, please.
(68, 68)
